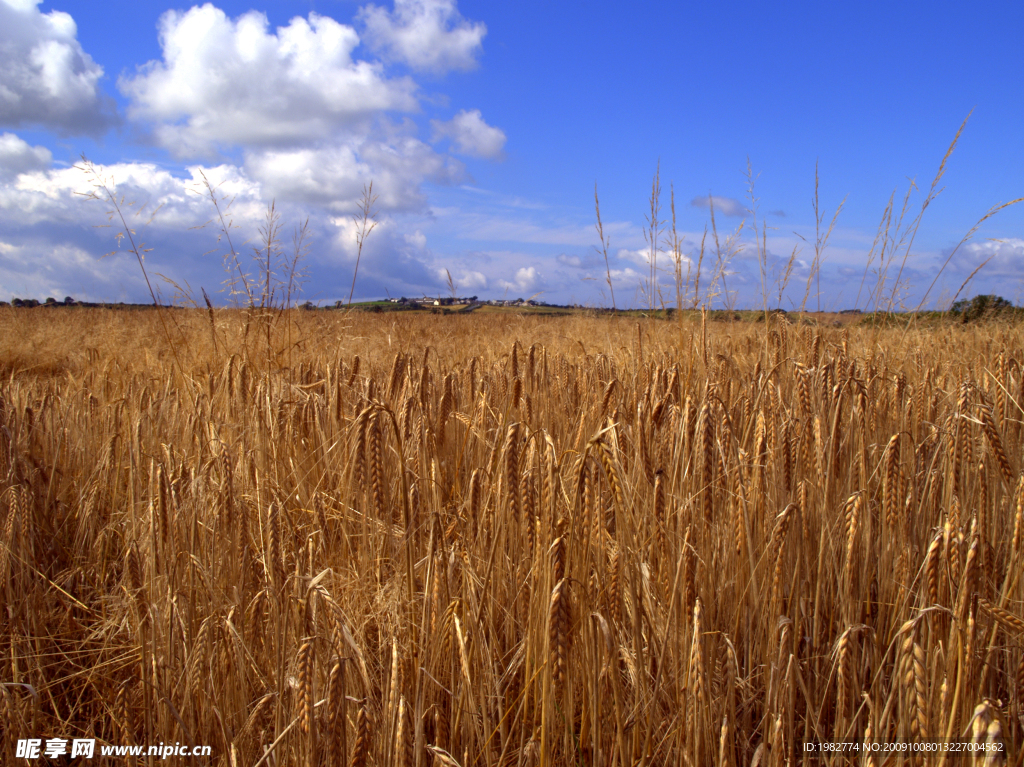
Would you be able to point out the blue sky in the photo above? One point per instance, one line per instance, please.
(485, 126)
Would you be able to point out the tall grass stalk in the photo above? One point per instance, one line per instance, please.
(604, 247)
(366, 221)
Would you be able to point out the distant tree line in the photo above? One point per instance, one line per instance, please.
(29, 303)
(982, 307)
(966, 309)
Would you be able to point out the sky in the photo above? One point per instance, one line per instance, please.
(485, 129)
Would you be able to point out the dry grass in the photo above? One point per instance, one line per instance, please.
(506, 540)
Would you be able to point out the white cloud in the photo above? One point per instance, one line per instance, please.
(526, 280)
(334, 176)
(46, 78)
(39, 269)
(43, 212)
(641, 257)
(428, 35)
(56, 195)
(665, 262)
(392, 262)
(466, 281)
(416, 240)
(1007, 258)
(471, 135)
(327, 176)
(345, 239)
(724, 206)
(572, 261)
(627, 276)
(471, 281)
(223, 82)
(311, 121)
(398, 165)
(17, 156)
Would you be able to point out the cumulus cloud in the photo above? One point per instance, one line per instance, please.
(328, 176)
(46, 78)
(43, 216)
(1007, 258)
(724, 206)
(17, 156)
(56, 194)
(472, 280)
(627, 276)
(400, 165)
(527, 279)
(393, 262)
(311, 120)
(466, 281)
(334, 176)
(229, 81)
(66, 269)
(471, 135)
(574, 262)
(643, 258)
(428, 35)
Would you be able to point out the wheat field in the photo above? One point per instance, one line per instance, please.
(312, 538)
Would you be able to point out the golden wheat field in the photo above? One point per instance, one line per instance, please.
(328, 538)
